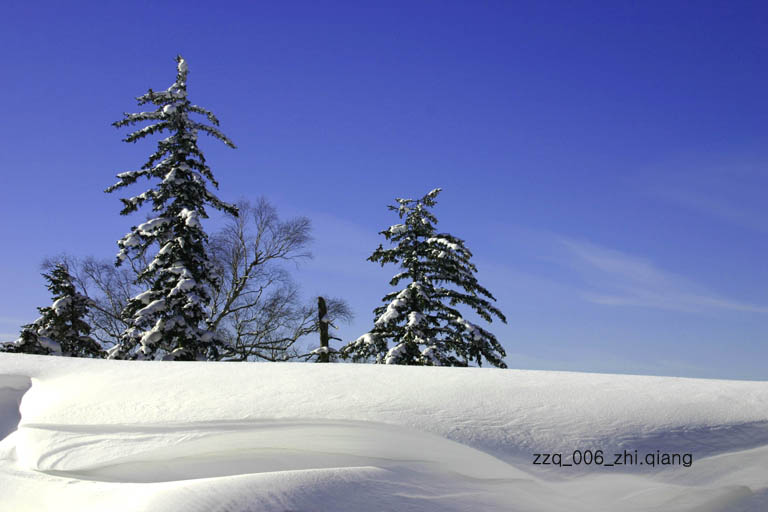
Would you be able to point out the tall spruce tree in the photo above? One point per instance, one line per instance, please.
(420, 325)
(168, 320)
(61, 329)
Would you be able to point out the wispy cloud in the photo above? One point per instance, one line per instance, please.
(712, 205)
(727, 187)
(620, 279)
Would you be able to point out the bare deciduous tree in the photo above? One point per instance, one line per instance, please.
(255, 303)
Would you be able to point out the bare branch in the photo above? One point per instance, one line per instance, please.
(255, 305)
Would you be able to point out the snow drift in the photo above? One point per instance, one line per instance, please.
(87, 435)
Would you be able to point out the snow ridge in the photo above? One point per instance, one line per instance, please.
(264, 436)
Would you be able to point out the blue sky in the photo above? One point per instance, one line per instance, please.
(605, 162)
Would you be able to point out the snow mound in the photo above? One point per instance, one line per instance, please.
(189, 436)
(191, 451)
(12, 388)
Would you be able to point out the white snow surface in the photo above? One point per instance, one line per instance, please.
(152, 308)
(93, 435)
(61, 304)
(415, 319)
(392, 312)
(52, 345)
(190, 217)
(145, 297)
(470, 328)
(443, 241)
(398, 228)
(148, 228)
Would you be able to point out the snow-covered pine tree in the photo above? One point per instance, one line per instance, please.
(421, 320)
(60, 330)
(168, 320)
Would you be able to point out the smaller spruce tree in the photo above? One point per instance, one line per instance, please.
(420, 321)
(61, 329)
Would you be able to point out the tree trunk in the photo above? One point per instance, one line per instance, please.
(322, 312)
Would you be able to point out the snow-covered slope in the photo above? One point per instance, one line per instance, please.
(154, 436)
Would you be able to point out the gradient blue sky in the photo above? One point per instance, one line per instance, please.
(605, 161)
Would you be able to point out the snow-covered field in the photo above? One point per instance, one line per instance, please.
(95, 435)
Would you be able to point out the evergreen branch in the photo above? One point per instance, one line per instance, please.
(207, 113)
(214, 132)
(148, 130)
(138, 117)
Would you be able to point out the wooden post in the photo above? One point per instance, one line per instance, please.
(322, 312)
